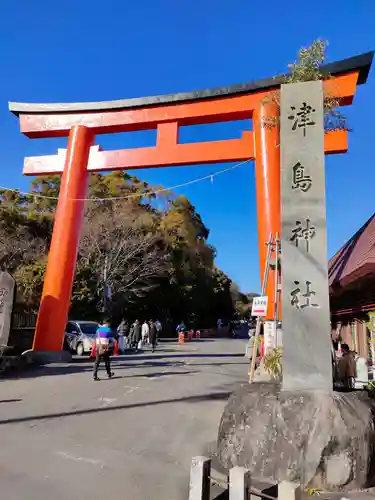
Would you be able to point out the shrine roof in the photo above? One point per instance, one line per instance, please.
(360, 63)
(356, 259)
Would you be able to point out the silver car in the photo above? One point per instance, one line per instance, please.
(80, 336)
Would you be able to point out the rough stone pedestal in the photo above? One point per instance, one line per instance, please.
(317, 439)
(47, 357)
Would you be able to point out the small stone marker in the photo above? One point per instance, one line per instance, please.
(7, 288)
(199, 488)
(239, 483)
(289, 491)
(305, 306)
(269, 336)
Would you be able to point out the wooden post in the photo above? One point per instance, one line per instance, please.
(239, 483)
(289, 491)
(200, 470)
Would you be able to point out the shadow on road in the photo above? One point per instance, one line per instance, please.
(185, 354)
(213, 396)
(34, 372)
(123, 362)
(158, 374)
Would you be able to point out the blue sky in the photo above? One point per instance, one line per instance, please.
(94, 50)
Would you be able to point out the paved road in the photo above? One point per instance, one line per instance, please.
(65, 437)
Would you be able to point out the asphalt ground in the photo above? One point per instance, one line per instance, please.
(65, 437)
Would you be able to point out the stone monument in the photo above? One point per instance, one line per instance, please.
(302, 431)
(7, 292)
(304, 271)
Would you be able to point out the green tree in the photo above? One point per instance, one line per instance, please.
(154, 248)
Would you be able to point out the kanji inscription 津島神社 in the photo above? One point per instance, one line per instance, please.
(302, 117)
(301, 180)
(304, 269)
(297, 295)
(303, 231)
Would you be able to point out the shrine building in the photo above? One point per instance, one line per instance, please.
(352, 292)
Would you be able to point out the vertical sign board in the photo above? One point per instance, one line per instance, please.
(7, 288)
(270, 336)
(259, 306)
(305, 306)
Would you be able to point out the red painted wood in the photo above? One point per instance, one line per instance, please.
(194, 113)
(160, 156)
(55, 301)
(167, 154)
(267, 179)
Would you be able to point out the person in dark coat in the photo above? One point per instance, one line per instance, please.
(136, 333)
(122, 331)
(123, 328)
(153, 335)
(347, 368)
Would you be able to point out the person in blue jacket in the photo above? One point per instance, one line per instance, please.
(104, 343)
(181, 328)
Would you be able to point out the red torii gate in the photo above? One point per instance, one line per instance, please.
(81, 122)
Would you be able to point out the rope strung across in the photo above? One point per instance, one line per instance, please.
(133, 195)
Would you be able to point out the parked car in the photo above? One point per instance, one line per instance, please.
(80, 336)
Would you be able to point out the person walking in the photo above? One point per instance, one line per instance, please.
(122, 330)
(347, 368)
(145, 332)
(135, 334)
(153, 335)
(250, 345)
(181, 328)
(104, 342)
(131, 336)
(159, 328)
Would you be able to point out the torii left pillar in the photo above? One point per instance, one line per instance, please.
(57, 289)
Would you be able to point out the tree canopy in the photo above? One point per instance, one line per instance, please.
(151, 250)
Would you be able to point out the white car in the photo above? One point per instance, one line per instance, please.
(80, 336)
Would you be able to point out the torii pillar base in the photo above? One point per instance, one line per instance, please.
(46, 357)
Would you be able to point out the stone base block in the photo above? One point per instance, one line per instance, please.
(317, 439)
(47, 357)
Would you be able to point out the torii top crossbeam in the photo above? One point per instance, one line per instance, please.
(82, 121)
(166, 113)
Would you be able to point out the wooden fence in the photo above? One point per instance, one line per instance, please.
(238, 485)
(22, 330)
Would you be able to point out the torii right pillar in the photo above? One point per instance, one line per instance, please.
(267, 180)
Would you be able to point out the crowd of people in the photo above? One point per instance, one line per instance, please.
(133, 336)
(137, 335)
